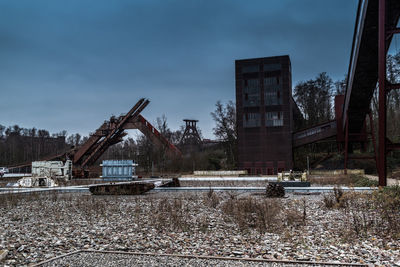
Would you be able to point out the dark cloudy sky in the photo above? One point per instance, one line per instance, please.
(69, 65)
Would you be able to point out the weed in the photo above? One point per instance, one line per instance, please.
(336, 199)
(295, 213)
(352, 179)
(362, 181)
(338, 193)
(368, 213)
(261, 214)
(171, 214)
(304, 205)
(211, 199)
(293, 217)
(329, 201)
(329, 180)
(203, 223)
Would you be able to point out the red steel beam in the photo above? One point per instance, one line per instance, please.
(140, 105)
(93, 139)
(393, 146)
(155, 136)
(152, 133)
(362, 157)
(390, 146)
(389, 33)
(392, 86)
(114, 140)
(371, 125)
(346, 145)
(382, 92)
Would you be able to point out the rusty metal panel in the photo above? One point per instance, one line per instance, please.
(132, 188)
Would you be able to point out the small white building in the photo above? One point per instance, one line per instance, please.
(52, 169)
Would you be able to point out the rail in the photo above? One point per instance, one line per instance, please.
(255, 261)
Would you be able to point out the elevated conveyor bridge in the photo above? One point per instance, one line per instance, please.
(376, 23)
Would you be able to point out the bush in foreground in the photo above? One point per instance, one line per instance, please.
(369, 213)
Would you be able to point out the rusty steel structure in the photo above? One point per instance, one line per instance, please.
(374, 29)
(257, 95)
(376, 23)
(124, 188)
(112, 132)
(109, 133)
(389, 12)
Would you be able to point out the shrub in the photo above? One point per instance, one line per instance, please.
(369, 213)
(339, 199)
(211, 199)
(261, 214)
(329, 200)
(275, 190)
(362, 181)
(387, 202)
(172, 214)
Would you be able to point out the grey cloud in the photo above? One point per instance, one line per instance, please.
(96, 58)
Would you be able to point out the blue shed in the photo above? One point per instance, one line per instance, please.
(114, 170)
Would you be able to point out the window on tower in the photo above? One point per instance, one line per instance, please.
(274, 118)
(251, 93)
(251, 119)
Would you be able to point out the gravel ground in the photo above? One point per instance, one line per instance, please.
(37, 227)
(90, 259)
(4, 181)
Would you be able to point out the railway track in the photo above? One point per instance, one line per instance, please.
(109, 258)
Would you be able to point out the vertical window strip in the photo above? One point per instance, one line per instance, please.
(274, 118)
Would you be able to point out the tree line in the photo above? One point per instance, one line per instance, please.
(20, 145)
(315, 98)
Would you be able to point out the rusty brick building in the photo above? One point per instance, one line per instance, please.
(265, 114)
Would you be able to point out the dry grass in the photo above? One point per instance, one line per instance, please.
(5, 180)
(375, 213)
(172, 214)
(249, 212)
(395, 174)
(347, 180)
(295, 214)
(10, 200)
(170, 222)
(329, 180)
(211, 199)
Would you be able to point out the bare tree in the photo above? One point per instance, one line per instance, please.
(225, 129)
